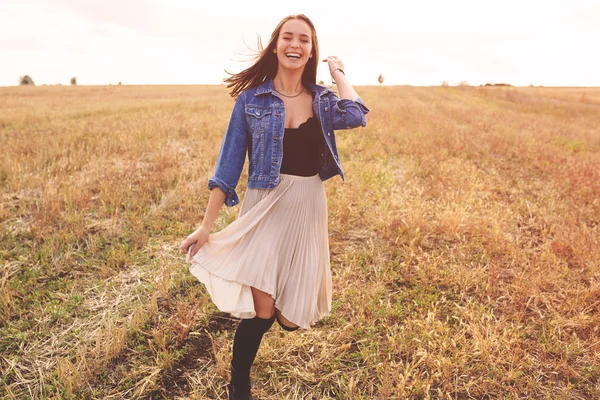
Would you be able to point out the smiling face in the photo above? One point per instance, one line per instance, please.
(294, 44)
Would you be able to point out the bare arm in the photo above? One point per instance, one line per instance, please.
(215, 202)
(349, 109)
(200, 235)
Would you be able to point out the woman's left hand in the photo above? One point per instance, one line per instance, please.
(334, 62)
(338, 77)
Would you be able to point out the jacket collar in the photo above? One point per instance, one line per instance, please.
(268, 87)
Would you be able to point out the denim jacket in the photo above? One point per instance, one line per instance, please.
(256, 127)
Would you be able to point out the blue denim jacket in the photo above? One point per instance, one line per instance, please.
(257, 127)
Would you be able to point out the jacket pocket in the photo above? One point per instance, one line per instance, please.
(258, 118)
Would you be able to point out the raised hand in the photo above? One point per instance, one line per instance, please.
(334, 63)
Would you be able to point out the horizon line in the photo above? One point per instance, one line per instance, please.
(356, 85)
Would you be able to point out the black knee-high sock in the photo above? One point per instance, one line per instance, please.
(246, 342)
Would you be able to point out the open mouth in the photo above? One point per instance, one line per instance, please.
(293, 55)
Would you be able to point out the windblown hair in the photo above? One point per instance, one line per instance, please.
(265, 66)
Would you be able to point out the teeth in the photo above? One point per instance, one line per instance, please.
(293, 55)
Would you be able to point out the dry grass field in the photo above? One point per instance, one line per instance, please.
(464, 246)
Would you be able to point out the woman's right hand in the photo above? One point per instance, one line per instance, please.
(196, 239)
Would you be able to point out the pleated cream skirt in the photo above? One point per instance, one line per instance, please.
(279, 244)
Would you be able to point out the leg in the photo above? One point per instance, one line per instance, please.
(284, 322)
(247, 341)
(263, 303)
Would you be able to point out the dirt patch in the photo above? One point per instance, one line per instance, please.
(222, 322)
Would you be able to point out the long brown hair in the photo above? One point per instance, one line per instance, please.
(265, 66)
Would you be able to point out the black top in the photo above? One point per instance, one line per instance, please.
(301, 149)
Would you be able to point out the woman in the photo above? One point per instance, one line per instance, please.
(272, 262)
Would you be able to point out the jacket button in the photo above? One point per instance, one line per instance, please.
(328, 133)
(326, 109)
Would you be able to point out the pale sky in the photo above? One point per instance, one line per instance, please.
(426, 42)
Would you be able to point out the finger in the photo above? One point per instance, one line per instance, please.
(195, 248)
(185, 245)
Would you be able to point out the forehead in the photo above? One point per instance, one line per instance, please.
(296, 26)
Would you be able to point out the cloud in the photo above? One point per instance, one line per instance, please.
(141, 16)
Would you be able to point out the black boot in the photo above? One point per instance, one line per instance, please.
(239, 387)
(245, 346)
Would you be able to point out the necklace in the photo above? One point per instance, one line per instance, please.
(285, 95)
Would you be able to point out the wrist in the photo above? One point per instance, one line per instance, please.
(338, 71)
(205, 226)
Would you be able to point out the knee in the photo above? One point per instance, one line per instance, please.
(265, 313)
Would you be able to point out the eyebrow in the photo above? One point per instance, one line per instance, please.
(291, 33)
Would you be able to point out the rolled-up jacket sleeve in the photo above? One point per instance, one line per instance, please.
(232, 154)
(348, 114)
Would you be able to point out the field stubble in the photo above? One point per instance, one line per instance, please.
(464, 248)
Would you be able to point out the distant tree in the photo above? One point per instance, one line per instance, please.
(321, 83)
(380, 79)
(498, 84)
(119, 83)
(26, 80)
(445, 84)
(463, 83)
(73, 81)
